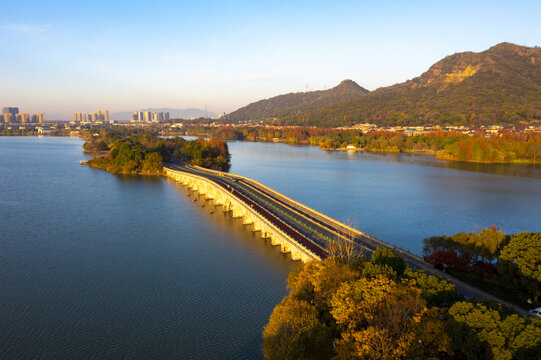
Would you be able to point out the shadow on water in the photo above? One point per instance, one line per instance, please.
(214, 214)
(148, 179)
(243, 234)
(218, 218)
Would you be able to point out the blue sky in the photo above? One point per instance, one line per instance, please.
(59, 57)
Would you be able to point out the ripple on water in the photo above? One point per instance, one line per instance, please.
(96, 266)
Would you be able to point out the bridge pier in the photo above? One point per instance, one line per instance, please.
(231, 203)
(256, 225)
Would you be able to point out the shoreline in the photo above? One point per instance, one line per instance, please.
(436, 154)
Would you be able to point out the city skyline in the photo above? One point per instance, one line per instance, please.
(226, 55)
(11, 115)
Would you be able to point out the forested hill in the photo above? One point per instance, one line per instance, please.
(290, 104)
(501, 85)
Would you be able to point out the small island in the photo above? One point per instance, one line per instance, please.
(135, 152)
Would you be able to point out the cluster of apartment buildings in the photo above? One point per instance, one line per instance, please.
(98, 117)
(149, 116)
(11, 115)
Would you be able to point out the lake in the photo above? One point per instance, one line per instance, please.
(101, 266)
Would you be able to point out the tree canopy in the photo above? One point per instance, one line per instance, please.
(139, 152)
(340, 310)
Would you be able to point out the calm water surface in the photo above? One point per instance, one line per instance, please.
(399, 198)
(99, 266)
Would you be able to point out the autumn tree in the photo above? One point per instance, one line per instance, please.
(295, 332)
(377, 316)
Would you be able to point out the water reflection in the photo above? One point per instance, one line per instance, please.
(528, 170)
(243, 235)
(97, 265)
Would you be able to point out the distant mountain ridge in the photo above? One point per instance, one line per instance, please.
(501, 85)
(173, 113)
(284, 105)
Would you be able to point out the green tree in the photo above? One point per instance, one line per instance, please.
(152, 163)
(519, 265)
(479, 332)
(384, 256)
(434, 290)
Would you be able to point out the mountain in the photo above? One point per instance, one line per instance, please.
(501, 85)
(290, 104)
(173, 113)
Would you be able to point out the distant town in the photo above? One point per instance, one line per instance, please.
(12, 119)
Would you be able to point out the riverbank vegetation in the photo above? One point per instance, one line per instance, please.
(32, 131)
(139, 152)
(18, 132)
(382, 309)
(509, 266)
(513, 148)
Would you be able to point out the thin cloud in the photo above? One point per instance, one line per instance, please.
(29, 30)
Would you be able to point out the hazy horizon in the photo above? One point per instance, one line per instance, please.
(65, 57)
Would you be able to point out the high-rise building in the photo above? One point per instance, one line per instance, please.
(102, 115)
(79, 117)
(157, 116)
(148, 116)
(12, 115)
(98, 116)
(10, 110)
(23, 118)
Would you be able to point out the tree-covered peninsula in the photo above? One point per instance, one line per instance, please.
(139, 152)
(344, 308)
